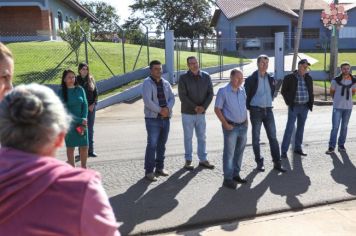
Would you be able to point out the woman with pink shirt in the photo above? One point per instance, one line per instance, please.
(40, 195)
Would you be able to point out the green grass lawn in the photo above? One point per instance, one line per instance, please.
(342, 56)
(38, 61)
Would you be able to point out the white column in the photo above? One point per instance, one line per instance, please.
(169, 53)
(279, 56)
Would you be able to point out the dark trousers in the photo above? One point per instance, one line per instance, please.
(157, 136)
(259, 116)
(299, 113)
(91, 120)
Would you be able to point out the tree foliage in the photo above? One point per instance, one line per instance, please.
(188, 19)
(107, 18)
(74, 36)
(133, 32)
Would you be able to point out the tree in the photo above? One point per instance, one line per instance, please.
(133, 32)
(74, 36)
(107, 19)
(186, 17)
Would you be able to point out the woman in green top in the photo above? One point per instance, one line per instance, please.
(75, 101)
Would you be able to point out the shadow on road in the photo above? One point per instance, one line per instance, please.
(135, 206)
(294, 183)
(229, 205)
(344, 172)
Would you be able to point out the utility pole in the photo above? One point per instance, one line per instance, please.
(299, 32)
(334, 49)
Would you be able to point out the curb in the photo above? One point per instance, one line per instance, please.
(323, 103)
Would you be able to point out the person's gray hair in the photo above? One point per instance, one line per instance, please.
(31, 117)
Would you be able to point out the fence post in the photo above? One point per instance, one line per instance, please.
(85, 44)
(123, 47)
(169, 54)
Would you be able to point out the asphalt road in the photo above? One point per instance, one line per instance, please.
(189, 199)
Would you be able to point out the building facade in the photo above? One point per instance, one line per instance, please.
(38, 19)
(237, 21)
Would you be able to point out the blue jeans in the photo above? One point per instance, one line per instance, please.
(197, 122)
(157, 135)
(339, 116)
(234, 146)
(91, 120)
(259, 116)
(299, 113)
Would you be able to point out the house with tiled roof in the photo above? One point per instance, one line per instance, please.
(38, 19)
(236, 20)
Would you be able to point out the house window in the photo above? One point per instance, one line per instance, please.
(60, 20)
(311, 33)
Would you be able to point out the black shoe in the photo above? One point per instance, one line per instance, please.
(206, 164)
(240, 180)
(229, 184)
(161, 173)
(331, 150)
(341, 148)
(278, 166)
(77, 158)
(300, 152)
(188, 165)
(260, 167)
(284, 155)
(92, 154)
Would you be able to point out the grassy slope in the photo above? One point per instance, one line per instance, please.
(35, 61)
(342, 56)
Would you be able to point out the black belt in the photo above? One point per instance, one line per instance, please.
(163, 118)
(260, 108)
(235, 124)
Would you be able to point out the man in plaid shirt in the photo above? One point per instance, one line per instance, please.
(297, 91)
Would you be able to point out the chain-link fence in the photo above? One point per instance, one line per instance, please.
(41, 60)
(209, 52)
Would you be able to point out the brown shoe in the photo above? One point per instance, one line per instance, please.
(188, 165)
(206, 164)
(161, 172)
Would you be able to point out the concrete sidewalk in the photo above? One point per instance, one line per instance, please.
(338, 219)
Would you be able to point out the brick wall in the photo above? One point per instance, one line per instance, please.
(24, 20)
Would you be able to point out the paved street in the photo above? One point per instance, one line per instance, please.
(197, 198)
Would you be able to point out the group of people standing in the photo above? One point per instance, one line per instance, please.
(35, 122)
(232, 104)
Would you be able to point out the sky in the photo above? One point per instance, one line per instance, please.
(123, 10)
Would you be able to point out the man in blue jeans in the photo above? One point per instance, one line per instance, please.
(230, 108)
(196, 93)
(297, 91)
(342, 88)
(260, 88)
(158, 101)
